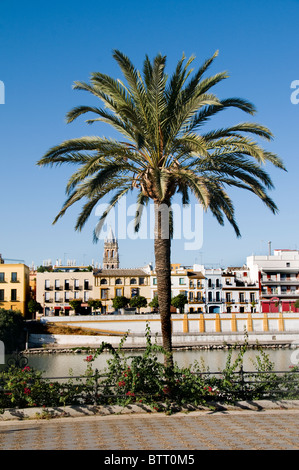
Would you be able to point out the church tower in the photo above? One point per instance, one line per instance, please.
(110, 258)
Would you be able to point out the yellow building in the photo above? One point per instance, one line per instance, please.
(110, 283)
(14, 287)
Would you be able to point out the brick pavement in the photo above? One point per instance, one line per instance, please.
(202, 430)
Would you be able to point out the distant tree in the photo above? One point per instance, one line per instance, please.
(33, 307)
(12, 330)
(154, 303)
(94, 303)
(179, 302)
(138, 302)
(297, 304)
(120, 302)
(76, 305)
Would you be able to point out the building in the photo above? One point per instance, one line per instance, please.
(240, 291)
(14, 286)
(278, 276)
(110, 255)
(115, 282)
(58, 285)
(186, 281)
(212, 289)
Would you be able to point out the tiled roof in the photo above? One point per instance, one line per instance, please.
(120, 272)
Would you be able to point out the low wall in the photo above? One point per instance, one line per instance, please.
(225, 323)
(179, 340)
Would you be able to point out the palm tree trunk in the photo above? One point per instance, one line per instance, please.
(162, 266)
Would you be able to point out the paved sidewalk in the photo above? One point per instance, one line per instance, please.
(272, 429)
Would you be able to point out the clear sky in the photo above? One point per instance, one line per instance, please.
(46, 46)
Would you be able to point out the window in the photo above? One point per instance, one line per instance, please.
(209, 282)
(288, 265)
(118, 281)
(228, 297)
(181, 281)
(47, 296)
(252, 297)
(2, 277)
(241, 297)
(13, 295)
(47, 283)
(217, 283)
(190, 296)
(103, 281)
(13, 277)
(217, 296)
(134, 292)
(57, 297)
(76, 284)
(66, 296)
(141, 281)
(66, 284)
(133, 281)
(76, 295)
(1, 295)
(104, 294)
(86, 296)
(118, 292)
(86, 284)
(57, 283)
(155, 281)
(210, 296)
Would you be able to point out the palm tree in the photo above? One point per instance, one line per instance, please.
(164, 151)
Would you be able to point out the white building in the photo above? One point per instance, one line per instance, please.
(278, 275)
(240, 291)
(212, 288)
(56, 287)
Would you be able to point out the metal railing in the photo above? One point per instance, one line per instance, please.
(223, 386)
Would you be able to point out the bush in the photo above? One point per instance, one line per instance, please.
(12, 330)
(143, 379)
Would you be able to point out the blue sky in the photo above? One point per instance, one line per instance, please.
(45, 47)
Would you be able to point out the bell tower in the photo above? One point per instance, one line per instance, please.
(110, 257)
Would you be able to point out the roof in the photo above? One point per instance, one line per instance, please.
(120, 272)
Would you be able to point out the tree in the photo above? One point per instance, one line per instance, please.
(76, 304)
(12, 330)
(94, 303)
(179, 302)
(138, 302)
(34, 306)
(154, 303)
(164, 151)
(120, 302)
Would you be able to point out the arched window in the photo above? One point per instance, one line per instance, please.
(118, 281)
(133, 281)
(103, 281)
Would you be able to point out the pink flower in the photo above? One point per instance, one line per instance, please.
(27, 391)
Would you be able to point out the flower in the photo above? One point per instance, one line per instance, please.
(121, 383)
(130, 394)
(89, 358)
(26, 368)
(27, 391)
